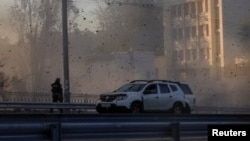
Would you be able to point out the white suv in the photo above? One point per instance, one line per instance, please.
(148, 95)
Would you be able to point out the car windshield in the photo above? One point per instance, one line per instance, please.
(130, 88)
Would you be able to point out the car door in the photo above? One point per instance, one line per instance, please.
(165, 97)
(150, 97)
(176, 93)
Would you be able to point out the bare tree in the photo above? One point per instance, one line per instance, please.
(38, 23)
(3, 79)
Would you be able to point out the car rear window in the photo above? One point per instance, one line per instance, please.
(186, 89)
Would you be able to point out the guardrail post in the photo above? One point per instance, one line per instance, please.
(55, 130)
(175, 128)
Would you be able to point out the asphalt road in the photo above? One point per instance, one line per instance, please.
(145, 139)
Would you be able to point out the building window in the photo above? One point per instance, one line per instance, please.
(192, 8)
(200, 6)
(174, 34)
(201, 54)
(201, 31)
(180, 35)
(179, 8)
(207, 30)
(173, 11)
(208, 54)
(194, 54)
(217, 19)
(204, 53)
(206, 5)
(216, 2)
(188, 55)
(186, 9)
(187, 32)
(193, 32)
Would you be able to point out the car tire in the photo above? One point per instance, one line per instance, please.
(177, 108)
(101, 110)
(136, 107)
(187, 109)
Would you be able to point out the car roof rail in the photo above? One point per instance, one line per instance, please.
(155, 80)
(139, 81)
(160, 80)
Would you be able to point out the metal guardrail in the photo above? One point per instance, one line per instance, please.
(24, 97)
(221, 110)
(11, 106)
(16, 101)
(21, 100)
(45, 106)
(56, 127)
(87, 107)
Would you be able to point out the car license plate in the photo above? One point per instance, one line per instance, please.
(105, 105)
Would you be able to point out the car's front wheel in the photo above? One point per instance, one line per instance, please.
(101, 110)
(136, 107)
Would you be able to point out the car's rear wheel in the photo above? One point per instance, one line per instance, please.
(177, 108)
(136, 107)
(187, 109)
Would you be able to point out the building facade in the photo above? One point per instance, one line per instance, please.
(201, 37)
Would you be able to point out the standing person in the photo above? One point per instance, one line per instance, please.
(57, 91)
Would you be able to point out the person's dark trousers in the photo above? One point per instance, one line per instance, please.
(55, 98)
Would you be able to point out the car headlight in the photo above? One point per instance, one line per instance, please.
(121, 97)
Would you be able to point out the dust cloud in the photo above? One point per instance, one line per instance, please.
(114, 42)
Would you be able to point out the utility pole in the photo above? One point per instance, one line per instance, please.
(65, 51)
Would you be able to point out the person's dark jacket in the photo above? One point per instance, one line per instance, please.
(56, 88)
